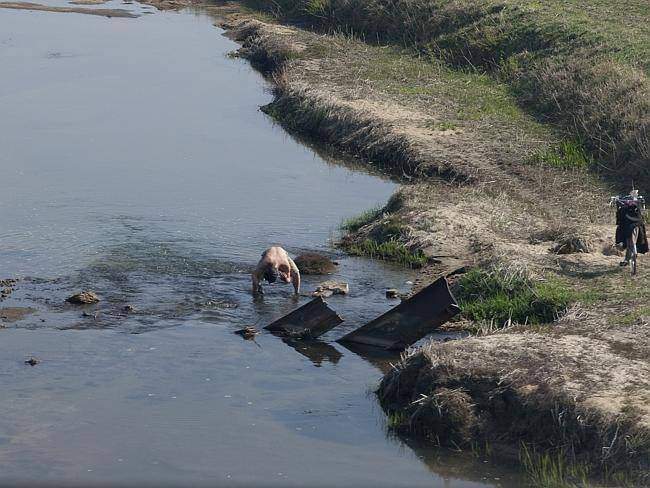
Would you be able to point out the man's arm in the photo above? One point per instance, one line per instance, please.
(257, 276)
(295, 275)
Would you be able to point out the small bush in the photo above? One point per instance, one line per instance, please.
(502, 294)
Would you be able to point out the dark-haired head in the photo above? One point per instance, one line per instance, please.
(271, 274)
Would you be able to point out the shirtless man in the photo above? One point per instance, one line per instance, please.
(276, 263)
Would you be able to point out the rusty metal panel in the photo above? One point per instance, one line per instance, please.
(311, 320)
(409, 321)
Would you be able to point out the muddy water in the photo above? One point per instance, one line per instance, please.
(135, 163)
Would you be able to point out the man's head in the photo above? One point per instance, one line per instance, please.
(271, 274)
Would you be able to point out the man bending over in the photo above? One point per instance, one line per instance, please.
(275, 263)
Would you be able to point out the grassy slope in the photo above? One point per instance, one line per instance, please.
(582, 65)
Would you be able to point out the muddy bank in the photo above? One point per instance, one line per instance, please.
(476, 193)
(102, 12)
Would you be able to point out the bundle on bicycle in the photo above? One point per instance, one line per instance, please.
(630, 226)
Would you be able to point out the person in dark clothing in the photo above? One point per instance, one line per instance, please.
(630, 226)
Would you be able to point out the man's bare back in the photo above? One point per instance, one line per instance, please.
(276, 263)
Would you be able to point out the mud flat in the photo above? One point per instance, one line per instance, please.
(558, 360)
(102, 12)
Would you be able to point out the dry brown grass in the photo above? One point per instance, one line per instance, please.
(529, 388)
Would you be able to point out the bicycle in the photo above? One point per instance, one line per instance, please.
(629, 222)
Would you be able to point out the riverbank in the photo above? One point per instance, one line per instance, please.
(486, 187)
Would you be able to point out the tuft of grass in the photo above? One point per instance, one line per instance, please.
(632, 317)
(551, 470)
(502, 295)
(396, 420)
(566, 155)
(442, 126)
(390, 250)
(353, 224)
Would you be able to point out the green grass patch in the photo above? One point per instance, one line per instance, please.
(551, 470)
(566, 155)
(477, 95)
(383, 240)
(501, 294)
(353, 224)
(442, 125)
(395, 420)
(390, 250)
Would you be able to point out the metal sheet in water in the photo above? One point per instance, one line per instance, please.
(311, 320)
(410, 321)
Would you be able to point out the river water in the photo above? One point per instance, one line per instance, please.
(135, 162)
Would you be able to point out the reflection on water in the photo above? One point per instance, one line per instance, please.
(135, 163)
(316, 351)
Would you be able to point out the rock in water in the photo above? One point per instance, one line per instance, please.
(83, 298)
(392, 293)
(329, 288)
(247, 333)
(311, 263)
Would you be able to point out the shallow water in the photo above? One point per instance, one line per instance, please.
(135, 162)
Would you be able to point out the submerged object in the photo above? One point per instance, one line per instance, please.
(309, 321)
(248, 332)
(32, 361)
(329, 288)
(409, 321)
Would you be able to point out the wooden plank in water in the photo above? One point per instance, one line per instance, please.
(311, 320)
(409, 321)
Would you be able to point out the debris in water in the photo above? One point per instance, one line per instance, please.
(247, 333)
(83, 298)
(329, 288)
(128, 308)
(32, 361)
(409, 321)
(311, 320)
(6, 288)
